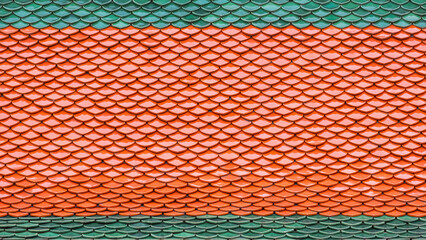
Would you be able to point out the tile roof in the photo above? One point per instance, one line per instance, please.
(214, 227)
(212, 121)
(220, 13)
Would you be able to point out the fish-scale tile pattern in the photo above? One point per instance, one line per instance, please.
(213, 121)
(214, 227)
(220, 13)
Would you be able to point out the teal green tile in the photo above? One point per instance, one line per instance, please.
(220, 13)
(5, 234)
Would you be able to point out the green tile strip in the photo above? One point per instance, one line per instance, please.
(213, 227)
(203, 13)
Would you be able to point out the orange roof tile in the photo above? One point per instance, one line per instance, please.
(212, 121)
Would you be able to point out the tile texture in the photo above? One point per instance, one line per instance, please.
(220, 13)
(212, 121)
(214, 227)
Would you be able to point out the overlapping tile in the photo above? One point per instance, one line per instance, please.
(203, 13)
(214, 227)
(212, 121)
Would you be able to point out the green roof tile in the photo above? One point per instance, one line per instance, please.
(212, 227)
(220, 13)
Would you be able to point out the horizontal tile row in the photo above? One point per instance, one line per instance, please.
(210, 121)
(213, 227)
(219, 13)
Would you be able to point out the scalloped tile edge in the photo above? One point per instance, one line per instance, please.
(214, 227)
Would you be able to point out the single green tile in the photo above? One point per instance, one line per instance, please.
(297, 235)
(307, 230)
(239, 230)
(363, 235)
(261, 230)
(115, 235)
(104, 230)
(274, 235)
(184, 235)
(59, 230)
(411, 17)
(139, 235)
(5, 234)
(93, 235)
(282, 230)
(162, 235)
(206, 235)
(318, 226)
(290, 6)
(251, 235)
(228, 235)
(329, 231)
(370, 6)
(71, 235)
(24, 235)
(341, 235)
(48, 235)
(390, 6)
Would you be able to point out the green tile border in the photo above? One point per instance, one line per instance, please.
(213, 227)
(202, 13)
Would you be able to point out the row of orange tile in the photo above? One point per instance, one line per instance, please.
(218, 33)
(279, 54)
(209, 121)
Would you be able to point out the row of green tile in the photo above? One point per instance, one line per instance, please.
(203, 13)
(214, 227)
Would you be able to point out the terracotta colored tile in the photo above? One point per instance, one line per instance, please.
(212, 121)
